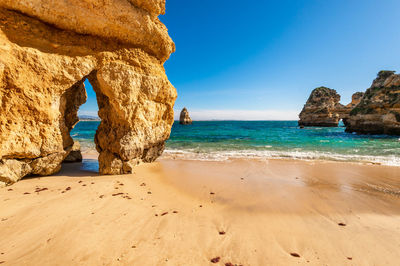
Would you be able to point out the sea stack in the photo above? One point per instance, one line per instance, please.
(184, 118)
(48, 49)
(321, 109)
(379, 110)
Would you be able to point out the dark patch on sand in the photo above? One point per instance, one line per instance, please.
(41, 189)
(215, 260)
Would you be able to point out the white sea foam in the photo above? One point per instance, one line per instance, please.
(295, 154)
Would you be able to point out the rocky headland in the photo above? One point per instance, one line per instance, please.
(184, 118)
(323, 108)
(379, 109)
(48, 48)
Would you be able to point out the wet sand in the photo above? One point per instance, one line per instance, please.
(177, 212)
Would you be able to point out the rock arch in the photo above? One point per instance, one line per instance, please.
(43, 64)
(323, 108)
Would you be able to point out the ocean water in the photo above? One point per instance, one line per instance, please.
(222, 140)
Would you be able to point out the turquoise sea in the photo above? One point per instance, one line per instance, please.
(221, 140)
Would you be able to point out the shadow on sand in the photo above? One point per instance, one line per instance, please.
(88, 167)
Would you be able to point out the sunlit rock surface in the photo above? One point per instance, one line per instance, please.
(184, 118)
(48, 48)
(321, 108)
(379, 109)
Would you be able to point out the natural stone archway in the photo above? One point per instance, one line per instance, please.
(48, 51)
(323, 108)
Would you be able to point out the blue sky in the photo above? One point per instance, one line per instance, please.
(261, 59)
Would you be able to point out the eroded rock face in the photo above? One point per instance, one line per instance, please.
(344, 111)
(379, 109)
(48, 48)
(184, 118)
(321, 109)
(355, 99)
(324, 110)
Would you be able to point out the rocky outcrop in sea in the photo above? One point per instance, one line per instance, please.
(322, 109)
(48, 49)
(379, 110)
(184, 118)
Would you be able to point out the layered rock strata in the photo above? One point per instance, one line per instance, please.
(379, 109)
(48, 48)
(184, 118)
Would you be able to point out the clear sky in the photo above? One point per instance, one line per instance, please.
(259, 59)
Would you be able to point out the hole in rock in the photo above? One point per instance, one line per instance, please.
(85, 130)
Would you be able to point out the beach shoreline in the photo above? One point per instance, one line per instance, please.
(177, 212)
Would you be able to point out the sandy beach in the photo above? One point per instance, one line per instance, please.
(177, 212)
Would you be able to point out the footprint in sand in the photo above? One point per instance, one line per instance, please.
(215, 260)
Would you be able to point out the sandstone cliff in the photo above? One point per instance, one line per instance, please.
(184, 118)
(48, 48)
(344, 111)
(379, 109)
(355, 99)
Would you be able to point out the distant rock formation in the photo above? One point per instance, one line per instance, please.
(184, 118)
(379, 109)
(321, 109)
(48, 49)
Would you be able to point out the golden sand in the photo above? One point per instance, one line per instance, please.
(176, 212)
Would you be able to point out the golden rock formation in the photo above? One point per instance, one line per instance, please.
(48, 48)
(379, 109)
(184, 118)
(323, 108)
